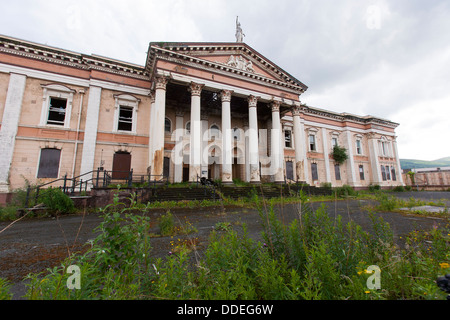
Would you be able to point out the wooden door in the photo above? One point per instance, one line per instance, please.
(121, 165)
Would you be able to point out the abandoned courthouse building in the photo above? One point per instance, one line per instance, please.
(216, 110)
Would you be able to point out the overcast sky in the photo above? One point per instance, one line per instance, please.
(387, 58)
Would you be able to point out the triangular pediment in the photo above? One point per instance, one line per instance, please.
(235, 58)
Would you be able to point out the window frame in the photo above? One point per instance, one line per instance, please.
(314, 143)
(56, 91)
(361, 172)
(126, 101)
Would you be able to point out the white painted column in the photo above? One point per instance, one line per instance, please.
(351, 173)
(177, 156)
(326, 155)
(151, 131)
(253, 144)
(204, 145)
(299, 145)
(90, 131)
(276, 148)
(157, 140)
(196, 133)
(10, 123)
(374, 163)
(227, 136)
(399, 168)
(247, 152)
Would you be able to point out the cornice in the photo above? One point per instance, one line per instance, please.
(180, 55)
(66, 58)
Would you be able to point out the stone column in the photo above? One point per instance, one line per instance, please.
(326, 154)
(299, 145)
(178, 149)
(196, 133)
(227, 156)
(90, 131)
(10, 123)
(204, 144)
(397, 162)
(253, 145)
(351, 172)
(157, 140)
(374, 163)
(276, 149)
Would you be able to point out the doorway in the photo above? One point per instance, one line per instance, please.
(121, 165)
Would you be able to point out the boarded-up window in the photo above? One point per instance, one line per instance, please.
(49, 163)
(394, 175)
(383, 173)
(314, 173)
(290, 170)
(337, 172)
(166, 169)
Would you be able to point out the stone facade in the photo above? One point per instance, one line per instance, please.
(219, 110)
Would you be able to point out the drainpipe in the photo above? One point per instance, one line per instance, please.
(78, 133)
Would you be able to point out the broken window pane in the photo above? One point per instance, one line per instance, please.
(287, 139)
(57, 111)
(125, 119)
(361, 172)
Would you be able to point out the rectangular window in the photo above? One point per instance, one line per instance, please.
(394, 176)
(312, 142)
(315, 175)
(358, 147)
(388, 173)
(337, 172)
(57, 111)
(125, 119)
(287, 139)
(361, 172)
(383, 173)
(334, 142)
(49, 163)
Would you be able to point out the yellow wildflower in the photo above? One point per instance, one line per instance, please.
(444, 265)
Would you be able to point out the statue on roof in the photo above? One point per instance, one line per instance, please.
(239, 33)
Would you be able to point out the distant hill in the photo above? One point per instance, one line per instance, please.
(411, 163)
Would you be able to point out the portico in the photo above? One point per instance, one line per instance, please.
(228, 86)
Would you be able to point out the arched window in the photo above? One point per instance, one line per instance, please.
(214, 131)
(236, 134)
(188, 127)
(167, 125)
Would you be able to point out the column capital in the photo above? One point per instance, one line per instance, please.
(152, 96)
(161, 82)
(179, 112)
(252, 101)
(196, 88)
(297, 110)
(225, 95)
(275, 106)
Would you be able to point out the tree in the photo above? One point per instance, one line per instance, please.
(339, 154)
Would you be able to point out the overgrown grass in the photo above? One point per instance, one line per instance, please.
(313, 257)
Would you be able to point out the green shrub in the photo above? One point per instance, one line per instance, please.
(166, 224)
(345, 191)
(56, 201)
(374, 187)
(399, 189)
